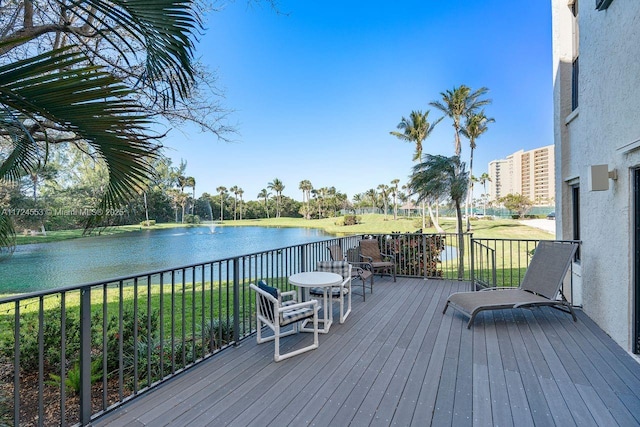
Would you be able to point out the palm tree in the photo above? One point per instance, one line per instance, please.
(240, 193)
(234, 190)
(416, 129)
(373, 196)
(306, 187)
(394, 193)
(222, 191)
(437, 176)
(474, 127)
(458, 103)
(191, 182)
(484, 178)
(277, 186)
(60, 92)
(384, 193)
(264, 194)
(182, 182)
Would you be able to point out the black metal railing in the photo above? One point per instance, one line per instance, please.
(503, 263)
(71, 354)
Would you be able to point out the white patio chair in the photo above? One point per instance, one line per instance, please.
(276, 314)
(337, 293)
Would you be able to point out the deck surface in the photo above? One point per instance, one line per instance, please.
(398, 360)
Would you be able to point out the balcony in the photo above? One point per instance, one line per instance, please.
(397, 359)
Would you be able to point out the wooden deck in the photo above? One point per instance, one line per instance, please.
(399, 361)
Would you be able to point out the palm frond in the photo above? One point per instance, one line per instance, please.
(88, 102)
(166, 28)
(7, 236)
(23, 149)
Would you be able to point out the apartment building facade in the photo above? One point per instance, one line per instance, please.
(596, 72)
(530, 173)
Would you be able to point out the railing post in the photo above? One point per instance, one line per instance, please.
(303, 264)
(236, 301)
(472, 254)
(424, 256)
(494, 273)
(85, 356)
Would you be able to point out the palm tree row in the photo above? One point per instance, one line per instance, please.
(434, 177)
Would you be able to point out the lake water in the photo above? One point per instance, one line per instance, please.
(72, 262)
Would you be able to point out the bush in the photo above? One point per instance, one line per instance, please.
(411, 258)
(148, 223)
(29, 346)
(192, 219)
(352, 220)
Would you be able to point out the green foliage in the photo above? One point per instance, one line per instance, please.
(216, 334)
(29, 346)
(352, 219)
(411, 255)
(148, 223)
(72, 379)
(192, 219)
(517, 203)
(128, 328)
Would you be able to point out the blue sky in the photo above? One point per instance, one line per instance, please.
(316, 89)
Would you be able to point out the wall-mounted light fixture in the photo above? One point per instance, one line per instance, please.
(599, 176)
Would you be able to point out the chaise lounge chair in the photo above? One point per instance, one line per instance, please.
(540, 285)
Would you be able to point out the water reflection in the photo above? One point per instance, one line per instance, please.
(71, 262)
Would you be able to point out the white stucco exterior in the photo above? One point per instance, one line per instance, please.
(603, 129)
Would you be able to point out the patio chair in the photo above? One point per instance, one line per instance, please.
(275, 313)
(381, 263)
(360, 270)
(540, 285)
(337, 293)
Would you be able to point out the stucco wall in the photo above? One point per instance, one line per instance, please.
(607, 119)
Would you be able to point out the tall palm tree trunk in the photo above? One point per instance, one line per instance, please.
(460, 242)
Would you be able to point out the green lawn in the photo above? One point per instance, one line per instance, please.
(370, 224)
(377, 224)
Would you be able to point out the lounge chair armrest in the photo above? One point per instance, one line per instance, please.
(393, 255)
(497, 288)
(368, 258)
(311, 303)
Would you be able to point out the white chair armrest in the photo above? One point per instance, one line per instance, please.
(293, 294)
(295, 306)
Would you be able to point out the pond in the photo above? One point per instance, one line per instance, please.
(37, 267)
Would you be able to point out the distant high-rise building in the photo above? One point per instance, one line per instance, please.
(530, 173)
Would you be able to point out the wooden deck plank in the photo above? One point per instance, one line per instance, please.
(536, 401)
(501, 410)
(463, 403)
(368, 378)
(595, 370)
(398, 361)
(317, 362)
(346, 353)
(443, 411)
(406, 405)
(482, 415)
(543, 333)
(387, 407)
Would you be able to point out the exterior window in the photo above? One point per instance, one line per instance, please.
(575, 204)
(602, 4)
(575, 69)
(574, 84)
